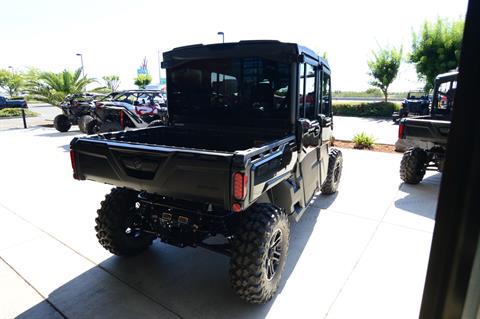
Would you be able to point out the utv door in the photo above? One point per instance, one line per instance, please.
(309, 130)
(326, 120)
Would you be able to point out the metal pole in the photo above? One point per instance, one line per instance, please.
(81, 61)
(83, 68)
(24, 120)
(223, 36)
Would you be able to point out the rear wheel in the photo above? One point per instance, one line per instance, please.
(62, 123)
(118, 224)
(335, 166)
(413, 165)
(259, 253)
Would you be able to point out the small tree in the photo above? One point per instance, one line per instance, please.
(436, 49)
(11, 82)
(53, 87)
(142, 80)
(112, 82)
(384, 68)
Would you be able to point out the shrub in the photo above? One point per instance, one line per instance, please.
(362, 140)
(377, 109)
(15, 112)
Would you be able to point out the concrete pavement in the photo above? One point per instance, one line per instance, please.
(46, 113)
(383, 130)
(361, 253)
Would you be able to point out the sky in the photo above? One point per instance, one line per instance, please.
(115, 35)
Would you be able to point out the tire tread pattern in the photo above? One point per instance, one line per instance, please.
(412, 166)
(110, 224)
(329, 186)
(247, 271)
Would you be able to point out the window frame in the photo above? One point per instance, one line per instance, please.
(325, 73)
(301, 90)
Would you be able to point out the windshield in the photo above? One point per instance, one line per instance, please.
(229, 90)
(417, 95)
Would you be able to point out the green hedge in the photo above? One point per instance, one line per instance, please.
(377, 109)
(15, 112)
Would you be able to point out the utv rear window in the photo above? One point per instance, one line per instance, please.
(236, 89)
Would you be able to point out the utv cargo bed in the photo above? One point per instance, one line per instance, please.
(166, 160)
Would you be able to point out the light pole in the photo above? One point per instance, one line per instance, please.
(81, 60)
(223, 36)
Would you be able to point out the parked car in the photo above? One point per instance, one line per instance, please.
(127, 109)
(416, 103)
(237, 158)
(12, 103)
(432, 130)
(76, 109)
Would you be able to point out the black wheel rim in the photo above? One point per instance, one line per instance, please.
(274, 254)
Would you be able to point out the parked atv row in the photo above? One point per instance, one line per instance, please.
(96, 113)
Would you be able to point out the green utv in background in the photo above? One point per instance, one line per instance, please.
(245, 149)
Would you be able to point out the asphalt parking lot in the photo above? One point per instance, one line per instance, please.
(361, 253)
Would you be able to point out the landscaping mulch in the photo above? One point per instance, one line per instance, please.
(385, 148)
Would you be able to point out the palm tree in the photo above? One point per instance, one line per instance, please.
(52, 87)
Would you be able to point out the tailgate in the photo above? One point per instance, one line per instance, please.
(427, 130)
(188, 174)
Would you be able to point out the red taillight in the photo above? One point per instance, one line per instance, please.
(74, 164)
(401, 128)
(236, 207)
(239, 186)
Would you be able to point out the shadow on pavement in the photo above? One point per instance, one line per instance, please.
(60, 134)
(421, 199)
(379, 120)
(166, 281)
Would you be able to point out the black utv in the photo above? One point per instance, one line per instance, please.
(416, 103)
(245, 149)
(76, 110)
(429, 133)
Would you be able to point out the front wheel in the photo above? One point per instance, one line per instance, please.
(259, 253)
(335, 166)
(83, 121)
(118, 224)
(62, 123)
(91, 126)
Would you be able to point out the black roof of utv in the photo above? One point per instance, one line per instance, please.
(269, 49)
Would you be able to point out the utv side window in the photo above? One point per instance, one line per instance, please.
(306, 92)
(301, 90)
(310, 93)
(325, 107)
